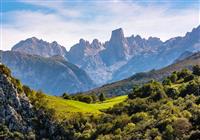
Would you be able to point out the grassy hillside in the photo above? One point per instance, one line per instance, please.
(167, 110)
(125, 86)
(154, 111)
(65, 109)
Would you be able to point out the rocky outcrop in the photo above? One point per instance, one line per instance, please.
(116, 48)
(16, 111)
(39, 47)
(20, 118)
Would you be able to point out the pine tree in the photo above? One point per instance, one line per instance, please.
(102, 97)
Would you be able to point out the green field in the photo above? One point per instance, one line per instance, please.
(68, 108)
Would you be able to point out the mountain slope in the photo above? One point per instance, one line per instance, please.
(39, 47)
(52, 75)
(120, 56)
(164, 55)
(125, 86)
(16, 111)
(101, 60)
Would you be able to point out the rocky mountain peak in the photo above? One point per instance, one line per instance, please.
(34, 39)
(138, 37)
(55, 43)
(117, 34)
(39, 47)
(96, 44)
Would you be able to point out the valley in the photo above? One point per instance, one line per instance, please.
(100, 70)
(154, 110)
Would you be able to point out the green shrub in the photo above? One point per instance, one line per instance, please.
(172, 92)
(173, 77)
(153, 90)
(66, 96)
(5, 70)
(184, 73)
(188, 78)
(167, 81)
(86, 99)
(102, 97)
(196, 70)
(139, 117)
(192, 88)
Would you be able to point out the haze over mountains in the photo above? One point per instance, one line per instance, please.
(125, 86)
(52, 75)
(103, 62)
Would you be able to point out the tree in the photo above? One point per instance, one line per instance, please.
(153, 90)
(102, 97)
(94, 97)
(66, 96)
(86, 99)
(181, 126)
(172, 92)
(196, 70)
(167, 81)
(184, 73)
(173, 77)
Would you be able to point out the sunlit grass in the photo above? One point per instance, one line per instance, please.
(69, 108)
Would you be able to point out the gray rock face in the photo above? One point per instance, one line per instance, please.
(15, 109)
(52, 75)
(121, 56)
(82, 50)
(160, 55)
(39, 47)
(116, 49)
(101, 60)
(183, 56)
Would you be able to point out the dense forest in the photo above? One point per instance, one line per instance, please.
(167, 110)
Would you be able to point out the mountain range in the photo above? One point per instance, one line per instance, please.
(103, 62)
(125, 86)
(53, 75)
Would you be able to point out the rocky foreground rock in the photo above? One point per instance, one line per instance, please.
(19, 119)
(16, 111)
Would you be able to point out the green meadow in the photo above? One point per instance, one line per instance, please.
(68, 108)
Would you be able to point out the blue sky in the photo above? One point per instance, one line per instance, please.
(68, 21)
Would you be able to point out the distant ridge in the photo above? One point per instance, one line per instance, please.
(52, 75)
(119, 57)
(125, 86)
(39, 47)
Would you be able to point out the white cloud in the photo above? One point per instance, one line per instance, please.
(96, 20)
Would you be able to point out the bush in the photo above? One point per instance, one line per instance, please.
(27, 90)
(5, 70)
(153, 90)
(173, 77)
(167, 81)
(139, 117)
(192, 88)
(181, 126)
(86, 99)
(94, 97)
(196, 70)
(172, 93)
(188, 78)
(137, 105)
(102, 97)
(184, 73)
(66, 96)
